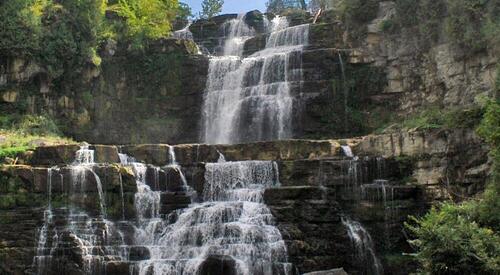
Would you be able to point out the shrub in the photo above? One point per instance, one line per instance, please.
(406, 12)
(431, 13)
(20, 29)
(71, 35)
(387, 25)
(464, 23)
(37, 125)
(146, 19)
(450, 242)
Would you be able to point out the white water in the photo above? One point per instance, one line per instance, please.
(363, 245)
(184, 33)
(347, 151)
(98, 239)
(248, 99)
(231, 221)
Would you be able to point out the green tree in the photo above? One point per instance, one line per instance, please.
(20, 27)
(71, 35)
(211, 8)
(147, 19)
(184, 12)
(278, 6)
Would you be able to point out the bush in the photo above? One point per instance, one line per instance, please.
(146, 19)
(431, 13)
(463, 238)
(406, 12)
(450, 242)
(37, 125)
(464, 23)
(71, 35)
(20, 29)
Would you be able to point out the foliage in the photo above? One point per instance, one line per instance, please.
(211, 8)
(147, 19)
(438, 118)
(387, 25)
(463, 238)
(279, 6)
(464, 23)
(450, 242)
(406, 12)
(184, 12)
(21, 133)
(70, 35)
(20, 29)
(472, 25)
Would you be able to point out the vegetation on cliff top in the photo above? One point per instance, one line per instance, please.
(65, 35)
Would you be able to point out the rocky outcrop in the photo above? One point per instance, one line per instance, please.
(449, 163)
(152, 95)
(420, 77)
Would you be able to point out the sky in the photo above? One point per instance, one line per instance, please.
(231, 6)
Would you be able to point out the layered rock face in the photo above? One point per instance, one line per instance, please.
(322, 198)
(155, 94)
(158, 94)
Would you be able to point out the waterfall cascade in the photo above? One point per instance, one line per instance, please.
(97, 239)
(231, 221)
(363, 245)
(184, 33)
(248, 98)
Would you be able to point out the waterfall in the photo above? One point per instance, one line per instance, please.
(184, 33)
(363, 245)
(248, 98)
(237, 33)
(42, 260)
(97, 239)
(232, 221)
(347, 151)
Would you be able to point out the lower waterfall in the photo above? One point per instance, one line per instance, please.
(230, 224)
(232, 221)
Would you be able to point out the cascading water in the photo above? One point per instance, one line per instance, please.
(363, 245)
(232, 221)
(184, 33)
(97, 239)
(249, 99)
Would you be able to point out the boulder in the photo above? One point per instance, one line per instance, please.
(218, 264)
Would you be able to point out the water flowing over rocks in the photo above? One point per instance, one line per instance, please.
(252, 200)
(298, 194)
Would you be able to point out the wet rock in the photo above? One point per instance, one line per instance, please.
(106, 154)
(54, 155)
(255, 19)
(117, 268)
(218, 264)
(139, 253)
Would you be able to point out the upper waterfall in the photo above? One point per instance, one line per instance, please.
(249, 98)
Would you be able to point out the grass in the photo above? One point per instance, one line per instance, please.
(21, 134)
(436, 118)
